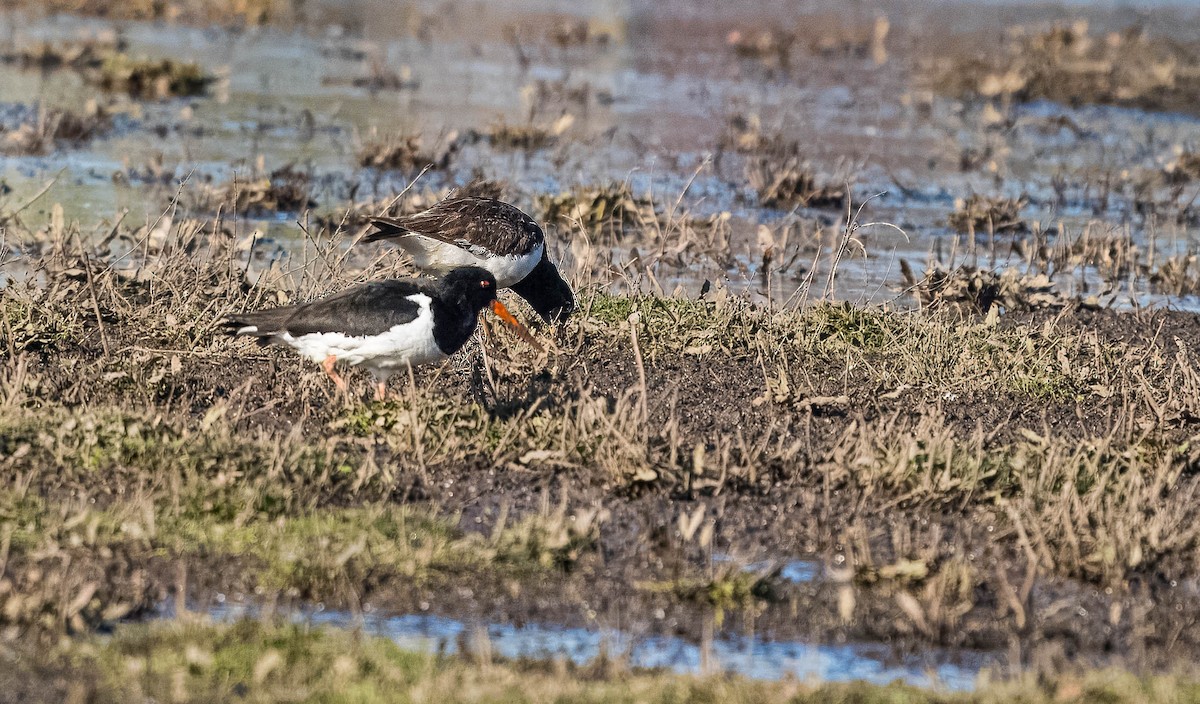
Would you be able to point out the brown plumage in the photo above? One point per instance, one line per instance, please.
(471, 227)
(469, 217)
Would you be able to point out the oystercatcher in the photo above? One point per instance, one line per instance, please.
(383, 325)
(470, 227)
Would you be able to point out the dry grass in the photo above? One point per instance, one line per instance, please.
(1069, 64)
(1119, 259)
(238, 462)
(567, 33)
(104, 62)
(597, 219)
(1184, 168)
(53, 128)
(527, 137)
(285, 189)
(983, 214)
(151, 79)
(776, 168)
(406, 151)
(771, 47)
(226, 12)
(972, 475)
(607, 212)
(266, 662)
(1011, 288)
(378, 77)
(827, 36)
(79, 55)
(789, 182)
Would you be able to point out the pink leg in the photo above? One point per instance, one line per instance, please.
(328, 367)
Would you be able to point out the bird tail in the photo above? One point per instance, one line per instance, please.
(388, 228)
(252, 324)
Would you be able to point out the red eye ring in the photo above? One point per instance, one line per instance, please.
(485, 284)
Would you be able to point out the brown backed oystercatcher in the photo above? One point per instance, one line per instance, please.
(469, 227)
(384, 326)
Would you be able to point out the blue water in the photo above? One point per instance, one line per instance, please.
(748, 656)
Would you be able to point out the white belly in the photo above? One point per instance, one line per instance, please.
(432, 255)
(408, 344)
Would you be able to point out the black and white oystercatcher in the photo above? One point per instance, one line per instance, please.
(471, 228)
(384, 326)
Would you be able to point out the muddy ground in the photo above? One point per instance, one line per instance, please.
(996, 467)
(805, 504)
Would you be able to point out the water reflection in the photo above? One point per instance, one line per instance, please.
(749, 656)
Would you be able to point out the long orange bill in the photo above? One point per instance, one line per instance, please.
(522, 331)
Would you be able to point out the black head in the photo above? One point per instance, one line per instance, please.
(545, 290)
(473, 286)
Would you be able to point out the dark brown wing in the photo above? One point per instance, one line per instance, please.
(469, 222)
(367, 309)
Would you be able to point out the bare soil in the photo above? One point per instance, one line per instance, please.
(788, 509)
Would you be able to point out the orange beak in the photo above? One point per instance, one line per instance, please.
(522, 331)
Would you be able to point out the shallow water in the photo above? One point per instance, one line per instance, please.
(797, 571)
(748, 656)
(658, 96)
(745, 654)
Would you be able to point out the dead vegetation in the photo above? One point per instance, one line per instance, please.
(406, 151)
(770, 47)
(258, 660)
(612, 214)
(81, 55)
(378, 77)
(980, 289)
(1184, 168)
(872, 420)
(285, 189)
(606, 211)
(788, 181)
(223, 12)
(1069, 64)
(567, 33)
(548, 96)
(103, 61)
(963, 472)
(817, 35)
(776, 168)
(152, 79)
(824, 36)
(526, 137)
(744, 135)
(983, 214)
(49, 128)
(1102, 259)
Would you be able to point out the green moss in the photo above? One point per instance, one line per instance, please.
(319, 552)
(211, 494)
(728, 589)
(693, 327)
(27, 325)
(609, 309)
(928, 350)
(866, 329)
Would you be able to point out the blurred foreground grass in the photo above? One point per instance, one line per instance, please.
(252, 661)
